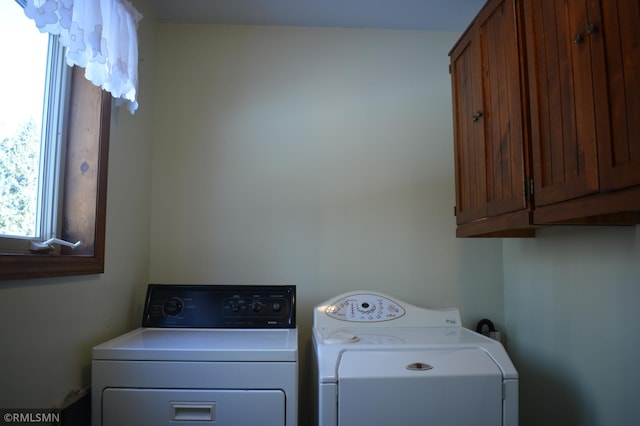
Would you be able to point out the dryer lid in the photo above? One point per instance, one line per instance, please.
(204, 344)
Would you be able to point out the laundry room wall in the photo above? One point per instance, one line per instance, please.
(320, 157)
(571, 306)
(48, 326)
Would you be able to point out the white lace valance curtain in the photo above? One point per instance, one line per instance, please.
(100, 36)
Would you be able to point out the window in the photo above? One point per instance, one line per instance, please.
(52, 169)
(30, 131)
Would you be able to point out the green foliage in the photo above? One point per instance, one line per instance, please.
(19, 164)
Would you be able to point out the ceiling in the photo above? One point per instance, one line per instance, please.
(435, 15)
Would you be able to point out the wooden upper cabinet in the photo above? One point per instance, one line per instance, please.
(583, 60)
(488, 124)
(546, 100)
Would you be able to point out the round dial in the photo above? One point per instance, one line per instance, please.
(366, 307)
(172, 307)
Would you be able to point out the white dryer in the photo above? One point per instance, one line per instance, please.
(205, 355)
(380, 361)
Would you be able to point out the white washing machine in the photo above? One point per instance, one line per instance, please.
(380, 361)
(205, 355)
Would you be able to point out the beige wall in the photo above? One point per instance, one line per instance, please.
(48, 326)
(316, 157)
(571, 306)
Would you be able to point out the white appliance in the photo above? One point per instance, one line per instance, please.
(205, 355)
(379, 361)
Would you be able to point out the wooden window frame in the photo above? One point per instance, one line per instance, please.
(85, 191)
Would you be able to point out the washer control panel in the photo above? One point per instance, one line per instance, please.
(220, 306)
(365, 308)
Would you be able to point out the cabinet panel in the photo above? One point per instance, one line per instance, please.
(502, 106)
(563, 129)
(616, 41)
(488, 117)
(468, 132)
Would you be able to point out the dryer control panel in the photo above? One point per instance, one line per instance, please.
(220, 306)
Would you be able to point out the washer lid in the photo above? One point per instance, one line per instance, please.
(335, 345)
(445, 362)
(170, 344)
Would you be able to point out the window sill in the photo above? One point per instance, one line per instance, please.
(23, 266)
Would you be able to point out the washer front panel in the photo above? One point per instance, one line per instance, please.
(445, 387)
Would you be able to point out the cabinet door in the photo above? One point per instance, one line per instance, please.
(503, 108)
(563, 116)
(615, 39)
(468, 131)
(489, 157)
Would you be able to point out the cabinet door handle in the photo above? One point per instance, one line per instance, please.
(477, 116)
(592, 28)
(577, 39)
